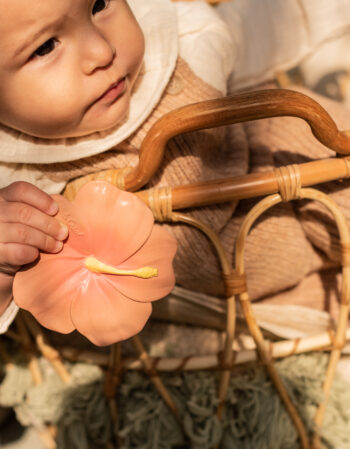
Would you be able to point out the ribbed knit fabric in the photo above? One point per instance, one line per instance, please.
(318, 291)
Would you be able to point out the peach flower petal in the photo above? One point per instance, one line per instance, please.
(77, 237)
(46, 289)
(117, 222)
(105, 315)
(151, 254)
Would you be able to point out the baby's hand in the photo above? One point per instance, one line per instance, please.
(26, 226)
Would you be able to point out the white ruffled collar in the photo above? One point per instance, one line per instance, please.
(160, 32)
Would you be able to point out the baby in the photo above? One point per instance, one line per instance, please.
(81, 83)
(67, 69)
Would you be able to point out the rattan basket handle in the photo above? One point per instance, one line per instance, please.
(234, 109)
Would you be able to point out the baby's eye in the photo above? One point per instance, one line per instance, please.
(46, 48)
(99, 5)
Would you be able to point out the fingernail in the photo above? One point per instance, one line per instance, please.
(53, 209)
(63, 232)
(58, 246)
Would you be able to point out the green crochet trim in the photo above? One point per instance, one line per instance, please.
(254, 416)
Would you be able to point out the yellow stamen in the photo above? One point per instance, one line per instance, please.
(96, 266)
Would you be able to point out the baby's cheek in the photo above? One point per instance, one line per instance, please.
(57, 112)
(41, 108)
(67, 108)
(58, 96)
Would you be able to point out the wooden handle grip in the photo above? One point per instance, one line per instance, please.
(234, 109)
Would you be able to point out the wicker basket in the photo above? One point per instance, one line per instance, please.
(287, 183)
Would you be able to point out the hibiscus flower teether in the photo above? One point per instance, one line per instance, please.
(114, 262)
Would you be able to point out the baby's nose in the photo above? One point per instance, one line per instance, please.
(98, 52)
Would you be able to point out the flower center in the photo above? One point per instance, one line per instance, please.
(96, 266)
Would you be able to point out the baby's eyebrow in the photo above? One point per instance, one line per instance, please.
(30, 38)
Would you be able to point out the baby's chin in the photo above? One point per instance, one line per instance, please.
(102, 119)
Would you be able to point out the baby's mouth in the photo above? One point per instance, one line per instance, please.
(113, 92)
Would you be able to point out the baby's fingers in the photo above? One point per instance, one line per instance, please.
(24, 192)
(25, 235)
(13, 212)
(14, 255)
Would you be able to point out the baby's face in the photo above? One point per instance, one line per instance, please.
(67, 66)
